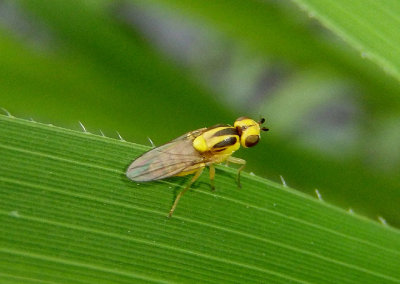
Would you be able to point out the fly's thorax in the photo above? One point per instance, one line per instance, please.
(219, 140)
(248, 130)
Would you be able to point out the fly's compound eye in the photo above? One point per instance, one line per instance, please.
(252, 140)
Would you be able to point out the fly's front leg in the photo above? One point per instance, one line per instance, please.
(194, 178)
(212, 175)
(240, 162)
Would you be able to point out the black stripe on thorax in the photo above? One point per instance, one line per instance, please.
(226, 142)
(226, 131)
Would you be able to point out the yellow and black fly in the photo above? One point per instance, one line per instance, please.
(193, 151)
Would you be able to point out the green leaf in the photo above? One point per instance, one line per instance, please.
(69, 215)
(98, 68)
(369, 26)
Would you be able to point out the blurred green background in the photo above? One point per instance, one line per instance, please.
(161, 68)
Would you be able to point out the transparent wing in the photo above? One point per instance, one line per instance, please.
(167, 160)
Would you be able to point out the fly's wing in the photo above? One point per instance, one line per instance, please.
(166, 160)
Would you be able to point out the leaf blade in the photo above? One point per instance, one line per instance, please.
(365, 25)
(72, 215)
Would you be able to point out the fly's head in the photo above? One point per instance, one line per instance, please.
(249, 131)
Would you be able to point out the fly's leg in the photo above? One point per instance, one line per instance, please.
(212, 175)
(194, 178)
(240, 162)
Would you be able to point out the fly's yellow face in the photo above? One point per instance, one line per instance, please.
(249, 131)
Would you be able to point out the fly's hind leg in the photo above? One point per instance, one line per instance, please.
(240, 162)
(212, 175)
(194, 178)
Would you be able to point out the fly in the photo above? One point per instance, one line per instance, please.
(195, 150)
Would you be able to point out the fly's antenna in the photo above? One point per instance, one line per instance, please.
(262, 120)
